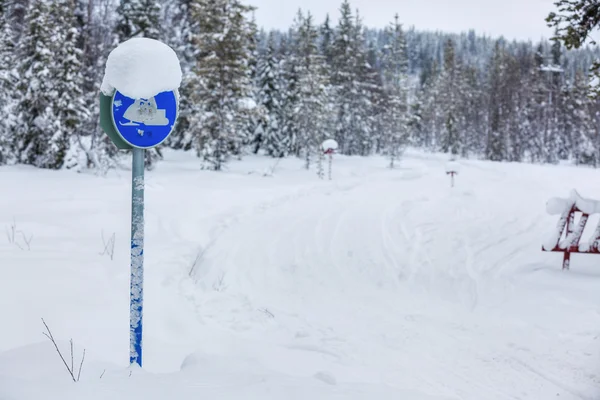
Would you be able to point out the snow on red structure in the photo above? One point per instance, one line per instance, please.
(567, 236)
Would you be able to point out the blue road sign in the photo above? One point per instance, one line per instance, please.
(144, 123)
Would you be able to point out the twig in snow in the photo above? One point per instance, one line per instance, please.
(271, 170)
(49, 335)
(81, 365)
(71, 341)
(269, 313)
(109, 246)
(103, 372)
(219, 284)
(26, 240)
(11, 234)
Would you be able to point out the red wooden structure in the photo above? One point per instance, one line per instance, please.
(568, 233)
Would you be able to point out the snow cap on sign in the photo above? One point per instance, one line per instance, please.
(330, 144)
(141, 68)
(452, 166)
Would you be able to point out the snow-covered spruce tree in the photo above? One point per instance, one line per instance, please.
(252, 32)
(312, 82)
(95, 19)
(379, 100)
(255, 113)
(138, 18)
(550, 131)
(36, 125)
(273, 140)
(424, 110)
(177, 30)
(224, 87)
(395, 68)
(325, 46)
(496, 144)
(579, 125)
(16, 14)
(180, 30)
(451, 134)
(70, 106)
(8, 80)
(291, 90)
(349, 70)
(471, 110)
(370, 91)
(534, 109)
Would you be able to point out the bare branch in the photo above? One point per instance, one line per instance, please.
(26, 240)
(72, 368)
(109, 245)
(81, 366)
(49, 336)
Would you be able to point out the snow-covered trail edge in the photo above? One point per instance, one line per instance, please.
(385, 279)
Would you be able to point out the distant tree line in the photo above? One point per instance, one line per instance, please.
(281, 94)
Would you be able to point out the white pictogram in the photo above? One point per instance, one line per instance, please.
(145, 111)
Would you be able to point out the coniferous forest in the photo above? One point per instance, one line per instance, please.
(247, 90)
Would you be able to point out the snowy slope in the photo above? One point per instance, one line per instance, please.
(377, 285)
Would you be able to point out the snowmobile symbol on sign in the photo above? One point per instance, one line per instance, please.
(144, 123)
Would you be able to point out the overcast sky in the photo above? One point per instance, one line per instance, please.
(513, 19)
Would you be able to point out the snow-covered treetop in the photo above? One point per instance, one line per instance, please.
(557, 205)
(141, 68)
(329, 144)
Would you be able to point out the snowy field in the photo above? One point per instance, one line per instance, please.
(381, 284)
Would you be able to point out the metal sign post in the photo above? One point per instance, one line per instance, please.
(138, 124)
(137, 258)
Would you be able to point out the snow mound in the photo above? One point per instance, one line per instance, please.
(141, 68)
(330, 144)
(551, 240)
(452, 166)
(557, 205)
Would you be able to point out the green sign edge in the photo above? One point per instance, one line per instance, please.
(107, 123)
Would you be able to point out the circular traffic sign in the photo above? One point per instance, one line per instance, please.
(144, 123)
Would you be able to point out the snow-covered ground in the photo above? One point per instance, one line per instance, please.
(380, 284)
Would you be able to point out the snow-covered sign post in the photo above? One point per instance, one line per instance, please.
(452, 169)
(138, 110)
(567, 236)
(329, 147)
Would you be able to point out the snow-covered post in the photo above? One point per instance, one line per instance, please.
(320, 170)
(138, 110)
(137, 257)
(329, 147)
(452, 169)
